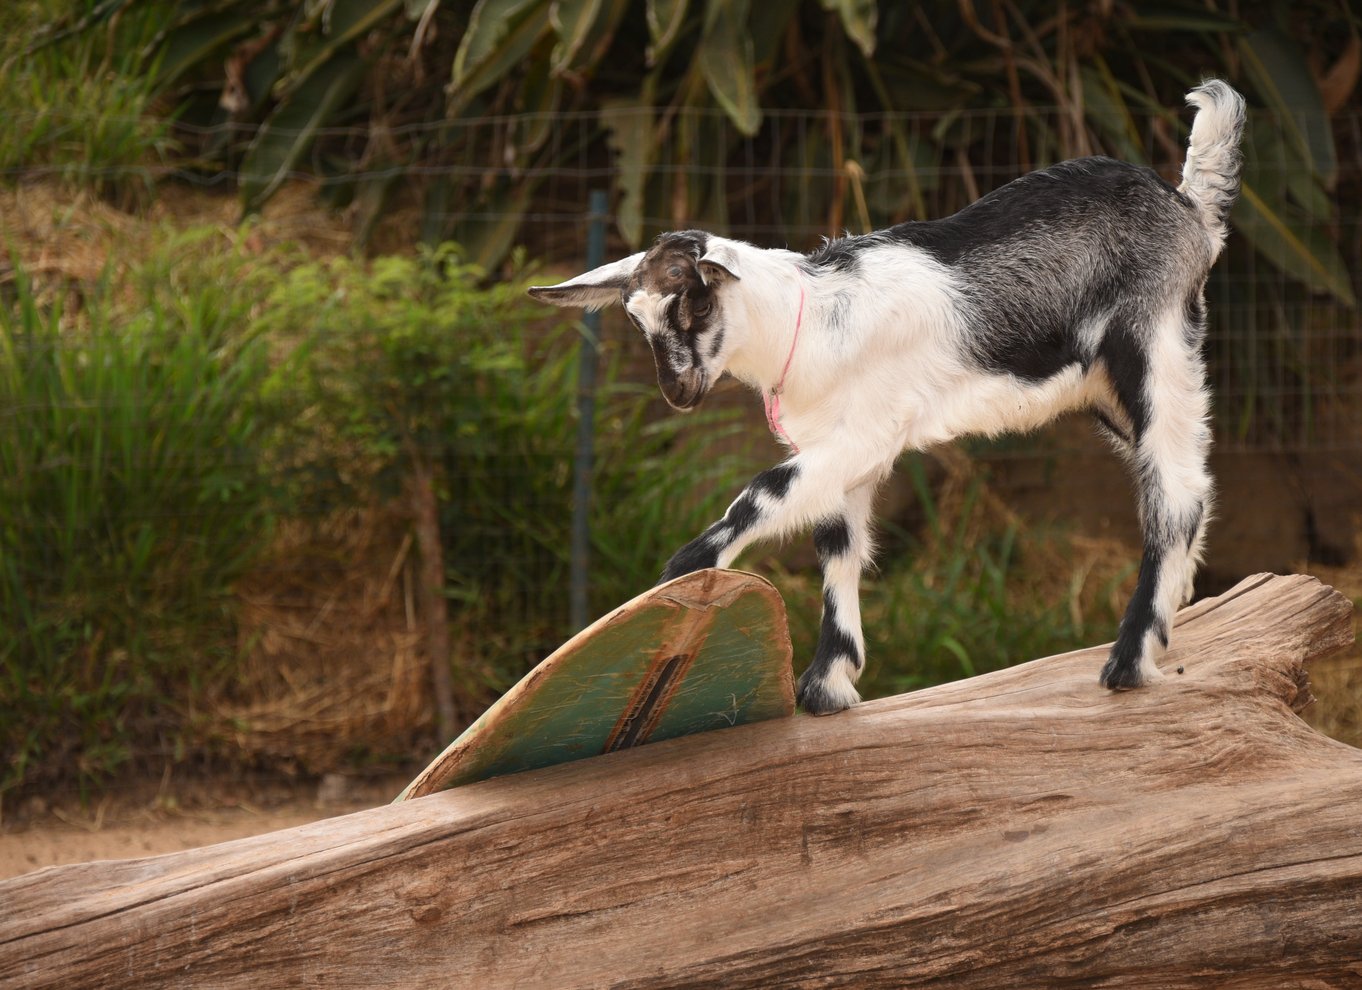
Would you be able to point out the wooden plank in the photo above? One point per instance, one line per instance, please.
(1023, 828)
(706, 651)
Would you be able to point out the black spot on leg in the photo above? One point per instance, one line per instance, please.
(741, 516)
(696, 555)
(833, 640)
(831, 538)
(704, 550)
(1122, 670)
(833, 643)
(775, 481)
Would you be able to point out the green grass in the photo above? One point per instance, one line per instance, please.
(131, 495)
(80, 106)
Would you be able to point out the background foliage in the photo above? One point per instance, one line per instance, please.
(462, 111)
(165, 419)
(133, 435)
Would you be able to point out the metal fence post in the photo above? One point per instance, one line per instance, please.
(586, 420)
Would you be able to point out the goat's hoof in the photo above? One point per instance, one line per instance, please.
(1127, 676)
(820, 696)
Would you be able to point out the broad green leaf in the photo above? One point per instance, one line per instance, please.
(500, 35)
(1281, 75)
(665, 18)
(859, 18)
(191, 42)
(598, 37)
(629, 130)
(344, 22)
(726, 62)
(289, 132)
(488, 27)
(572, 21)
(1302, 251)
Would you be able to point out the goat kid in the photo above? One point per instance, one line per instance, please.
(1079, 286)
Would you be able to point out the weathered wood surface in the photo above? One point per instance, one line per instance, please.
(1021, 829)
(704, 651)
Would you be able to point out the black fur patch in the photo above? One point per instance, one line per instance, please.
(740, 516)
(696, 555)
(775, 481)
(1122, 670)
(1194, 316)
(1196, 523)
(833, 640)
(831, 538)
(1127, 367)
(841, 254)
(1039, 255)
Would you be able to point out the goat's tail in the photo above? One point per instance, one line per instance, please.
(1210, 175)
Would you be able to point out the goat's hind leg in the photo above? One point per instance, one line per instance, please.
(1168, 406)
(844, 548)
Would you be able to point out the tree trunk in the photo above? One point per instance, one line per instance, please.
(1020, 829)
(425, 511)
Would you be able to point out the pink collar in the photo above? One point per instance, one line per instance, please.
(771, 399)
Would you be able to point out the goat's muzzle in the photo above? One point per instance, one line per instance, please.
(686, 390)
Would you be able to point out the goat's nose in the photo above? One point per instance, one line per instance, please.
(686, 390)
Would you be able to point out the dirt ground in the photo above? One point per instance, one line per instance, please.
(150, 819)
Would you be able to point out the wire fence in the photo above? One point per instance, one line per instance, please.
(332, 599)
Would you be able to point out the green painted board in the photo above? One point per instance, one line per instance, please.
(705, 651)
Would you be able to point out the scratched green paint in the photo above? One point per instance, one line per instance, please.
(740, 674)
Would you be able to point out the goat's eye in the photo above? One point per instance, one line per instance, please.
(674, 271)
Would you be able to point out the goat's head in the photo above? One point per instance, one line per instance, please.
(673, 292)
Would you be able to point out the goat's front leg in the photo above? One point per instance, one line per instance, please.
(764, 508)
(784, 499)
(844, 548)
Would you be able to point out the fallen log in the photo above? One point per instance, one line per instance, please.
(1023, 828)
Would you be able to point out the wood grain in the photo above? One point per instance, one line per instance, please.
(1020, 829)
(706, 650)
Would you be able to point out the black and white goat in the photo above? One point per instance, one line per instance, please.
(1079, 286)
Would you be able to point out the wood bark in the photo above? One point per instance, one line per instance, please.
(425, 511)
(1020, 829)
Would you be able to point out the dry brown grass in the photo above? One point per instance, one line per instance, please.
(1336, 681)
(332, 669)
(68, 237)
(1090, 574)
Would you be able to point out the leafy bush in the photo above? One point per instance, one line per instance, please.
(132, 493)
(412, 365)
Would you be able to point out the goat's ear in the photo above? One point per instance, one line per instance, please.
(719, 265)
(597, 288)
